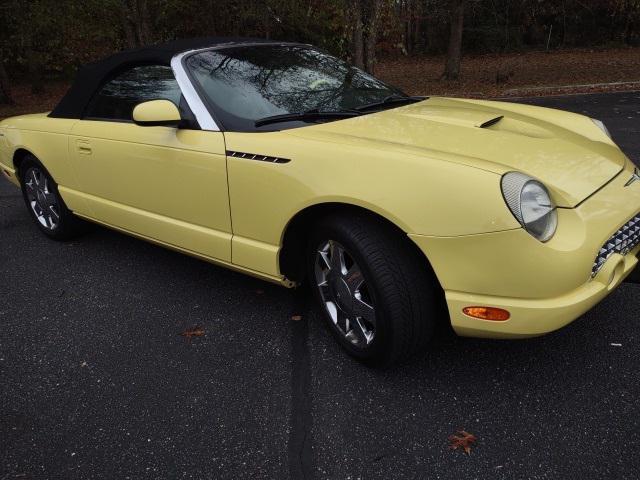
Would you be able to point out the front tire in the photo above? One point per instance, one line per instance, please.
(45, 205)
(378, 296)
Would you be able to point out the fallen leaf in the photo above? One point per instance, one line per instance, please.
(193, 332)
(462, 440)
(296, 318)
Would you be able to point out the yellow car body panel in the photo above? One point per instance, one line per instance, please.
(432, 168)
(44, 138)
(159, 182)
(563, 150)
(543, 285)
(264, 197)
(478, 263)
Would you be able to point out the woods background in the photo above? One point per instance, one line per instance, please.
(45, 40)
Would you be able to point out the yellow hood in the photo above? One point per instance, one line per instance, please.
(566, 151)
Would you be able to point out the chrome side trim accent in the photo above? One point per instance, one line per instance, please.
(258, 157)
(205, 120)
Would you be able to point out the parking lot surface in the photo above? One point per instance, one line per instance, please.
(97, 382)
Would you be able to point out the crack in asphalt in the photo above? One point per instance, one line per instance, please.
(300, 437)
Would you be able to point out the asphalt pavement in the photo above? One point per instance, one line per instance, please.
(97, 382)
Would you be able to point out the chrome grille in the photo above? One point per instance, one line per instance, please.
(622, 242)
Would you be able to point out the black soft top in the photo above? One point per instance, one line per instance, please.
(90, 77)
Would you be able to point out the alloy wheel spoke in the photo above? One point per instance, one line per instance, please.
(337, 258)
(363, 310)
(333, 311)
(50, 199)
(321, 269)
(344, 294)
(52, 210)
(345, 324)
(45, 219)
(324, 256)
(354, 278)
(42, 200)
(359, 330)
(34, 177)
(31, 188)
(37, 209)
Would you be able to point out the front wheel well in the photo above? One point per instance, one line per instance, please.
(18, 157)
(294, 244)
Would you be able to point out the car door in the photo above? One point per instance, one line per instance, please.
(164, 183)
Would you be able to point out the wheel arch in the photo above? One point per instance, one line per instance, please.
(294, 240)
(18, 157)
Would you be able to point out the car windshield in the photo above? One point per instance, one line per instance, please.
(246, 84)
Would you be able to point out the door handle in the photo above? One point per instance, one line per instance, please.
(84, 147)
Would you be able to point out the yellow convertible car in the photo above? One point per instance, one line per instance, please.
(283, 162)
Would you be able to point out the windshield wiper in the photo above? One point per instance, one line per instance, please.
(314, 114)
(390, 100)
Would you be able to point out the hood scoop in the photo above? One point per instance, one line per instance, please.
(517, 127)
(491, 122)
(475, 118)
(457, 116)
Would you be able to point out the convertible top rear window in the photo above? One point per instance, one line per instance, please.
(245, 84)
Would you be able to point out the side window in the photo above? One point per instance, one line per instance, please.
(117, 98)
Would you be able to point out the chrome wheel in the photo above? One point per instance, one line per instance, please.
(344, 293)
(42, 200)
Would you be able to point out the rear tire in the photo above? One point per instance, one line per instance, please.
(379, 298)
(44, 203)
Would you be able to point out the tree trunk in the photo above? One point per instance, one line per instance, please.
(136, 23)
(365, 18)
(407, 15)
(144, 23)
(374, 9)
(129, 33)
(357, 35)
(210, 20)
(36, 72)
(417, 29)
(5, 87)
(454, 53)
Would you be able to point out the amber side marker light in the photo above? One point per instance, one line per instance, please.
(487, 313)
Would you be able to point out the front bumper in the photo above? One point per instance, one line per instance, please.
(543, 285)
(533, 317)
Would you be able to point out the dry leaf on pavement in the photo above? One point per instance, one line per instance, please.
(193, 332)
(462, 440)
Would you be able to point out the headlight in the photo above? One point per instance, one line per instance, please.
(531, 204)
(602, 127)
